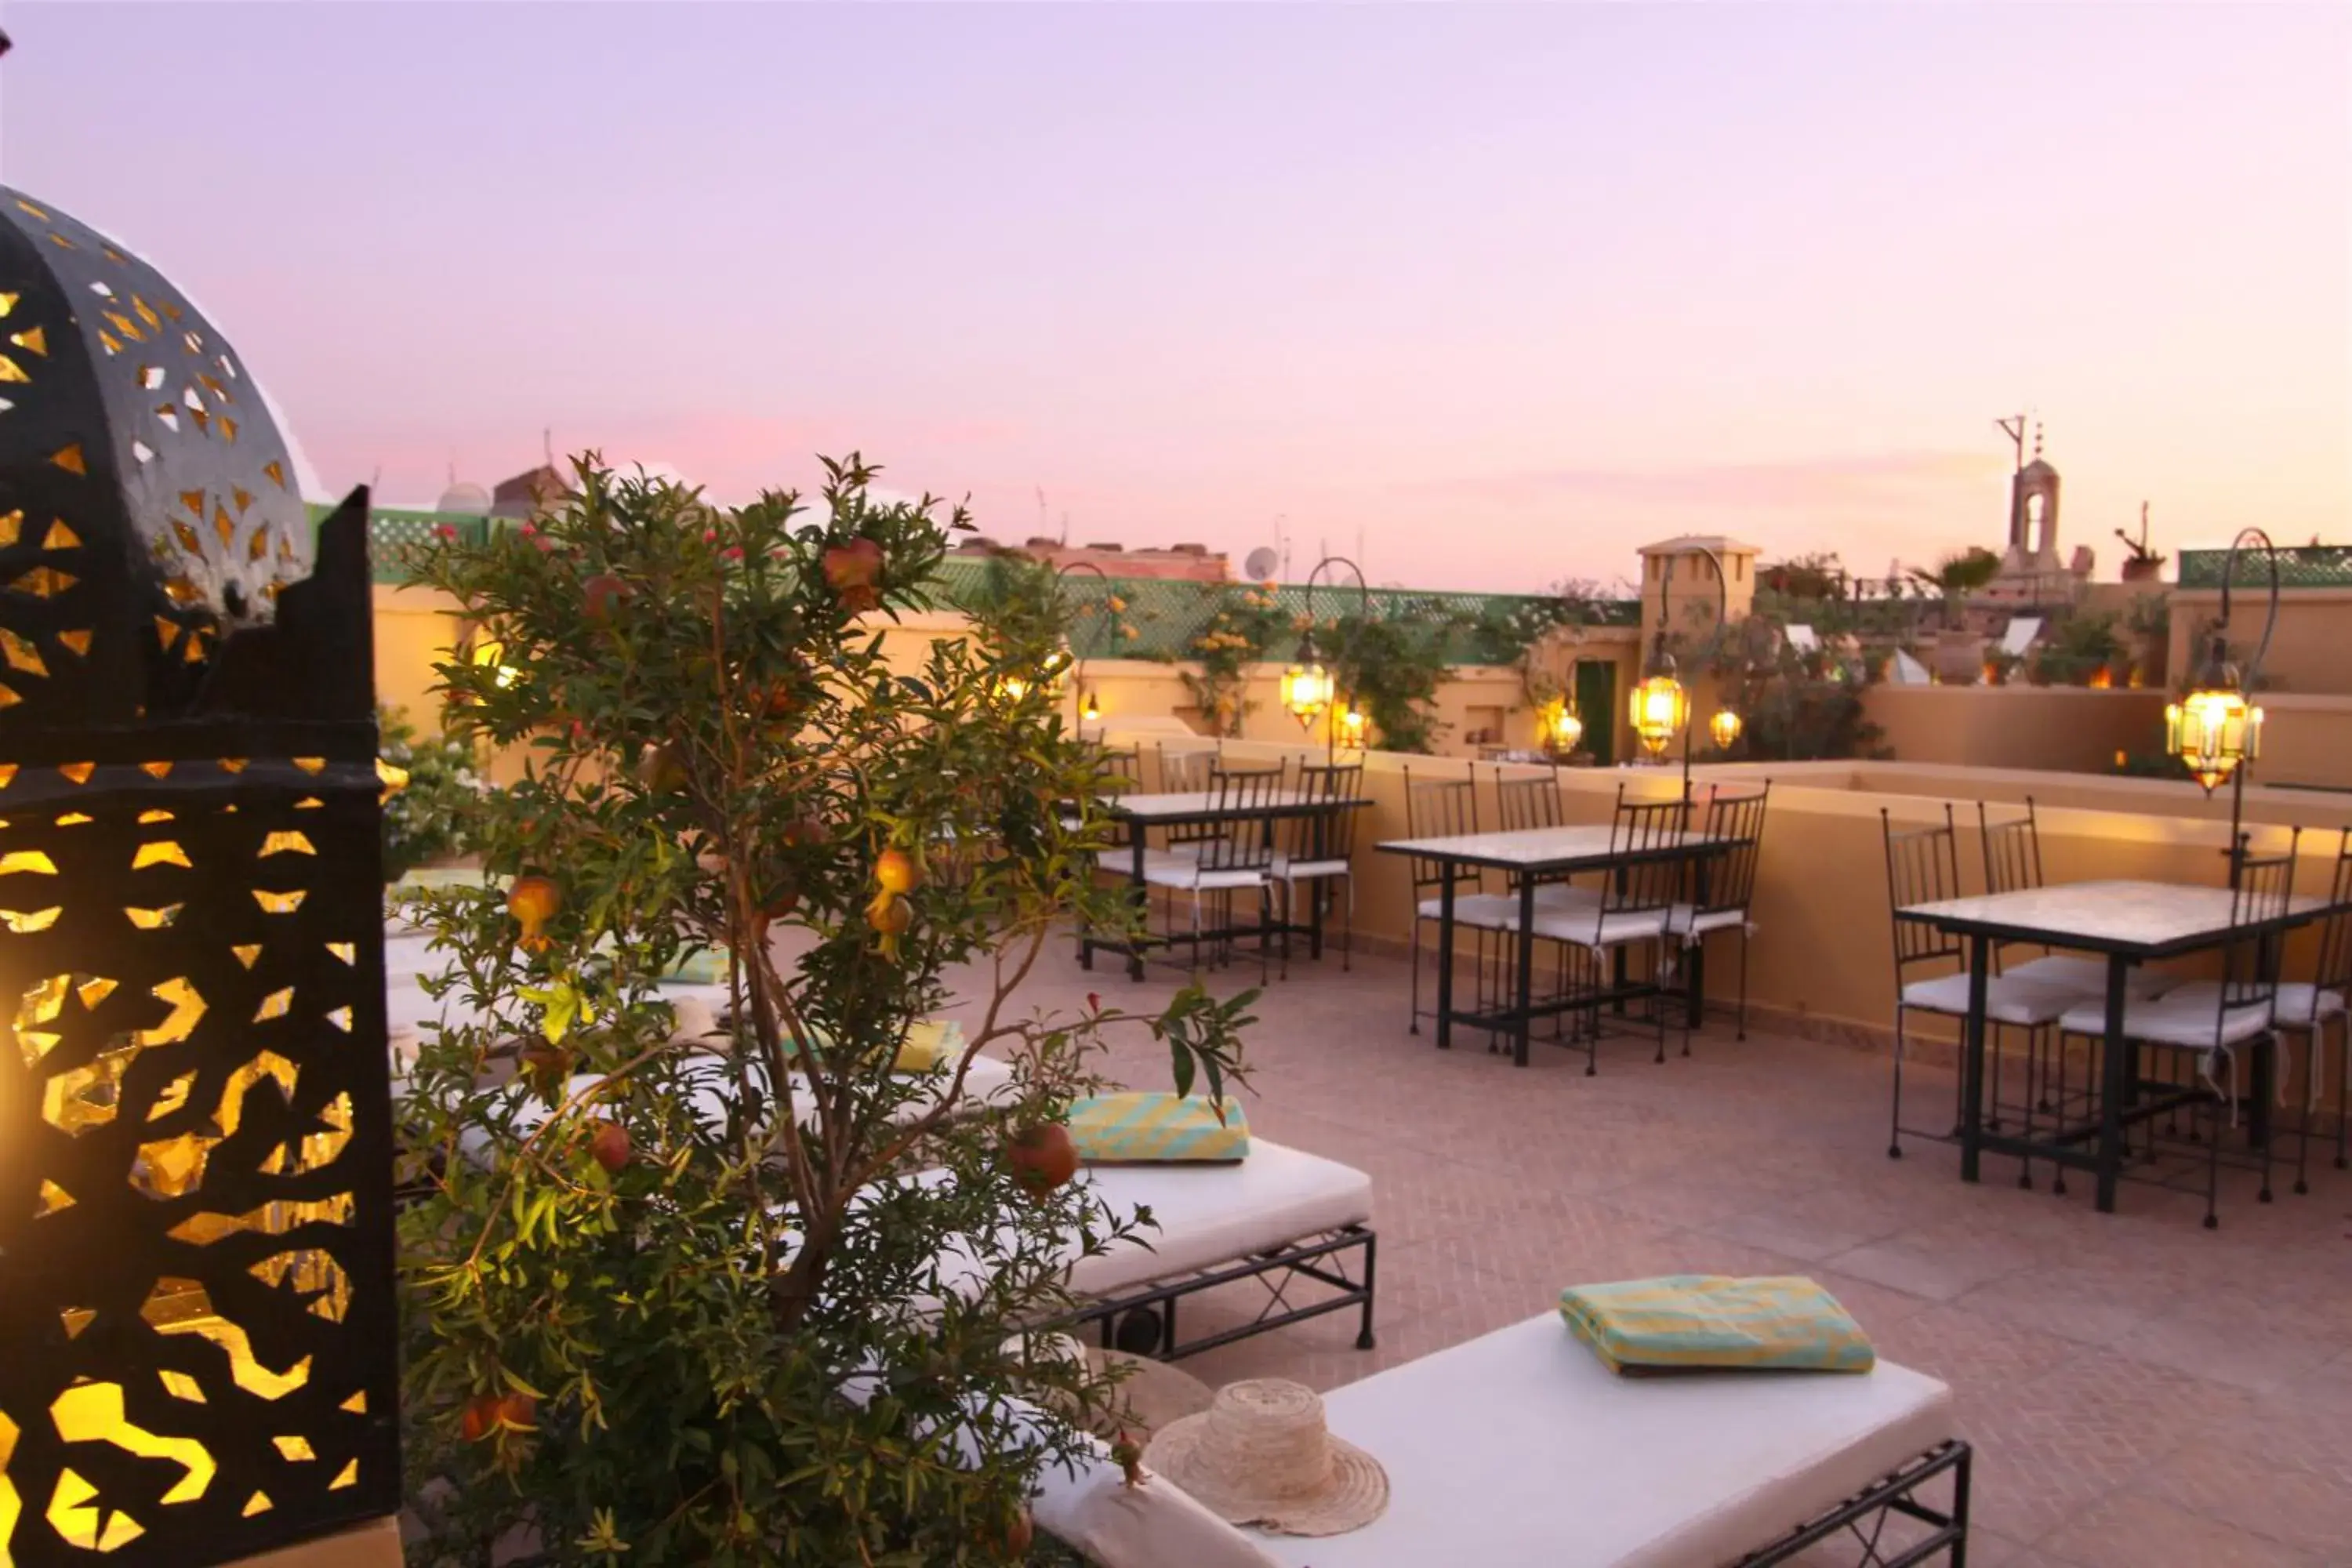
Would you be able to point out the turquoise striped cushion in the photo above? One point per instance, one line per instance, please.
(1693, 1321)
(1143, 1127)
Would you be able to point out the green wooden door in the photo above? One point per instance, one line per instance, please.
(1596, 704)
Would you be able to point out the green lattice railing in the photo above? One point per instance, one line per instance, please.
(1165, 615)
(2302, 566)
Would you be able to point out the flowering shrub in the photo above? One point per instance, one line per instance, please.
(1245, 626)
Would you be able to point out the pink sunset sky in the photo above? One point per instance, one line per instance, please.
(1500, 292)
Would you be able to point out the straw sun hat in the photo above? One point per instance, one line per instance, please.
(1260, 1454)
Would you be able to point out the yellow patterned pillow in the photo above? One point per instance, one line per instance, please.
(930, 1044)
(1145, 1128)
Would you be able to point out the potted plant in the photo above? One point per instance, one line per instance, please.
(671, 1294)
(2079, 651)
(1959, 652)
(2141, 565)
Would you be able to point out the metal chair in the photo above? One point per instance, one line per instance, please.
(2208, 1024)
(1185, 769)
(2307, 1010)
(1230, 854)
(1633, 909)
(1923, 866)
(2013, 862)
(1730, 882)
(1322, 848)
(1445, 808)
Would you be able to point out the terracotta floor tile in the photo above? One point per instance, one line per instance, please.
(2130, 1528)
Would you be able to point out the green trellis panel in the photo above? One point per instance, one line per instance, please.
(1167, 613)
(2304, 566)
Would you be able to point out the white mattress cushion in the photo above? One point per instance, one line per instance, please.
(1210, 1215)
(1521, 1447)
(986, 1079)
(2300, 1004)
(2008, 1000)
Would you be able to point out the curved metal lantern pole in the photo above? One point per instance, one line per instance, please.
(2214, 728)
(1078, 659)
(1661, 703)
(1307, 689)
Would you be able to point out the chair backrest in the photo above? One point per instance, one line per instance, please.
(1524, 799)
(1243, 841)
(2012, 850)
(1440, 808)
(1739, 819)
(1120, 767)
(2334, 970)
(1184, 770)
(1923, 866)
(2250, 959)
(1337, 838)
(1642, 837)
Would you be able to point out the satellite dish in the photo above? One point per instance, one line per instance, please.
(1260, 563)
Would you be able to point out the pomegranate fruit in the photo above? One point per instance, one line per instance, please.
(609, 1146)
(481, 1417)
(602, 594)
(1042, 1157)
(854, 572)
(534, 901)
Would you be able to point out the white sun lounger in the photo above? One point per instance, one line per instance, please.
(1519, 1447)
(1279, 1216)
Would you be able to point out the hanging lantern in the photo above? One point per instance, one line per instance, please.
(1660, 707)
(1089, 708)
(2213, 729)
(1352, 724)
(1558, 729)
(195, 1130)
(1306, 688)
(1724, 728)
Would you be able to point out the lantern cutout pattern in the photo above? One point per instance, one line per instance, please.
(195, 1222)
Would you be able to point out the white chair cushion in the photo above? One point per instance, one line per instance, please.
(2089, 976)
(1489, 911)
(2302, 1005)
(1688, 921)
(1567, 896)
(1288, 870)
(1597, 928)
(1188, 877)
(2190, 1018)
(2008, 1000)
(1121, 862)
(1210, 1215)
(1521, 1448)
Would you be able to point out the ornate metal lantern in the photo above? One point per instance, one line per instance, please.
(195, 1210)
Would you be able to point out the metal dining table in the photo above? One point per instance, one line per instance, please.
(2126, 923)
(1533, 856)
(1142, 811)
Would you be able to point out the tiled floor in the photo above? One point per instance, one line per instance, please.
(2142, 1391)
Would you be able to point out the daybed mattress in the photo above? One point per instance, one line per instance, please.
(1214, 1213)
(1519, 1447)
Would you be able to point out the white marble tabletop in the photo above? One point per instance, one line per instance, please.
(1537, 848)
(1206, 802)
(2128, 916)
